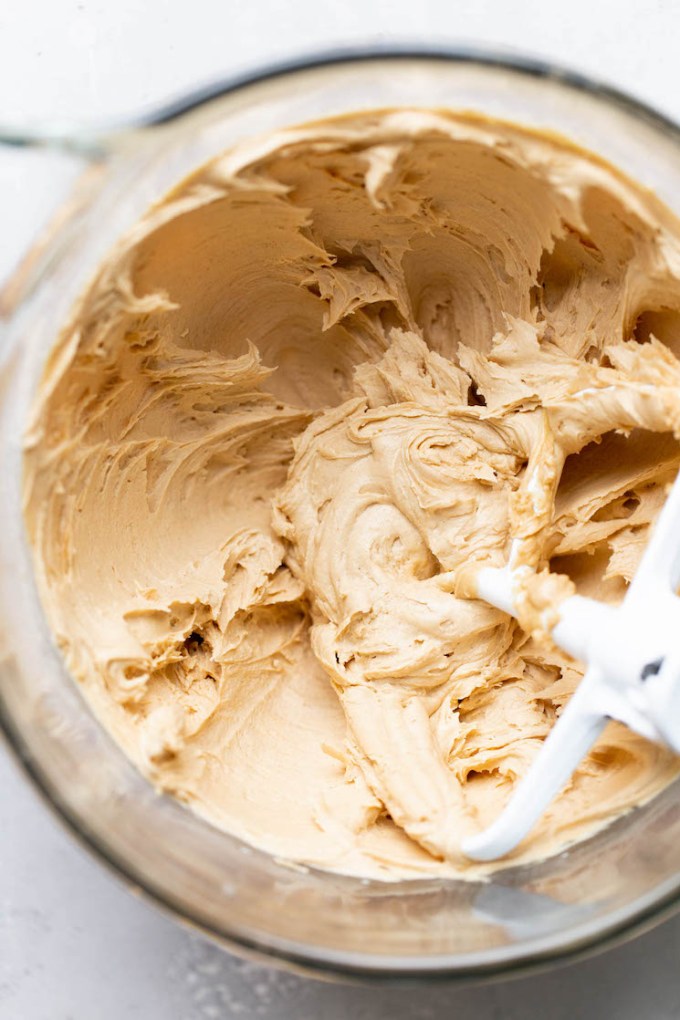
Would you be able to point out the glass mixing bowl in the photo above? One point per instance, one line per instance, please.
(622, 880)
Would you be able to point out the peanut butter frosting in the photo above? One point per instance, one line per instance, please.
(319, 385)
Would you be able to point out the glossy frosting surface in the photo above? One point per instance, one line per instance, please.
(331, 375)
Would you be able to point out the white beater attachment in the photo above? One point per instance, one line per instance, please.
(632, 653)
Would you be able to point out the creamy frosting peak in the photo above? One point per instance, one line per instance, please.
(331, 375)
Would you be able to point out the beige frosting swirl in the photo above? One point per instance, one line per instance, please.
(320, 384)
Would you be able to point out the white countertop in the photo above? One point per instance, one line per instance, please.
(74, 944)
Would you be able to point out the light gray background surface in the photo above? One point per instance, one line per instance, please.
(74, 945)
